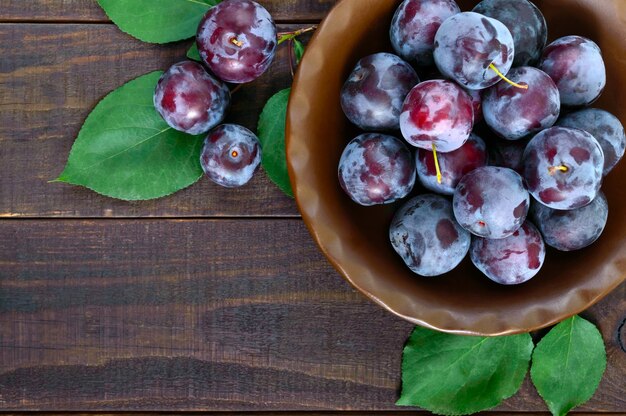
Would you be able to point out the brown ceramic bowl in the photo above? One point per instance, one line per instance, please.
(355, 238)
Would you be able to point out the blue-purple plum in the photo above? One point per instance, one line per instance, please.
(575, 64)
(526, 24)
(372, 96)
(511, 260)
(376, 169)
(573, 229)
(563, 167)
(605, 128)
(414, 25)
(466, 44)
(189, 99)
(426, 236)
(230, 156)
(491, 202)
(513, 112)
(237, 40)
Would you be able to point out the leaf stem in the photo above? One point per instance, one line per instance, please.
(285, 36)
(235, 89)
(292, 64)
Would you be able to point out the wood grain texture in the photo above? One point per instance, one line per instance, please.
(206, 315)
(165, 314)
(51, 77)
(312, 413)
(88, 11)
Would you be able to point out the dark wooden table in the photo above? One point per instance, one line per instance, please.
(209, 300)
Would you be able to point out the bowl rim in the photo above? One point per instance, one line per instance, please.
(572, 302)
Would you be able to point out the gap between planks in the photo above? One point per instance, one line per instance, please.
(158, 218)
(108, 22)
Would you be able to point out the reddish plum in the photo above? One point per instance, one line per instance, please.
(574, 229)
(491, 202)
(372, 96)
(237, 40)
(467, 44)
(514, 112)
(577, 68)
(231, 155)
(414, 26)
(511, 260)
(454, 165)
(605, 128)
(189, 99)
(563, 167)
(426, 236)
(438, 112)
(526, 24)
(477, 104)
(376, 169)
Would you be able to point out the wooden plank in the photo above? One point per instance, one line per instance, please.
(314, 413)
(206, 315)
(51, 76)
(88, 10)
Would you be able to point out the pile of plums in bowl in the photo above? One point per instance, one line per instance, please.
(466, 145)
(484, 60)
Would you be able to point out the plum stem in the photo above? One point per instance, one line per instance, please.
(439, 178)
(501, 75)
(555, 169)
(236, 42)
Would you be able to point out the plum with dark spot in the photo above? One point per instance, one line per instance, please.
(511, 260)
(577, 68)
(237, 40)
(230, 156)
(526, 24)
(189, 99)
(605, 128)
(563, 167)
(513, 112)
(491, 202)
(373, 95)
(414, 25)
(376, 169)
(466, 44)
(453, 165)
(437, 112)
(426, 236)
(573, 229)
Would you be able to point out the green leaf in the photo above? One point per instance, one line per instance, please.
(568, 364)
(125, 150)
(298, 49)
(271, 131)
(193, 53)
(457, 375)
(157, 21)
